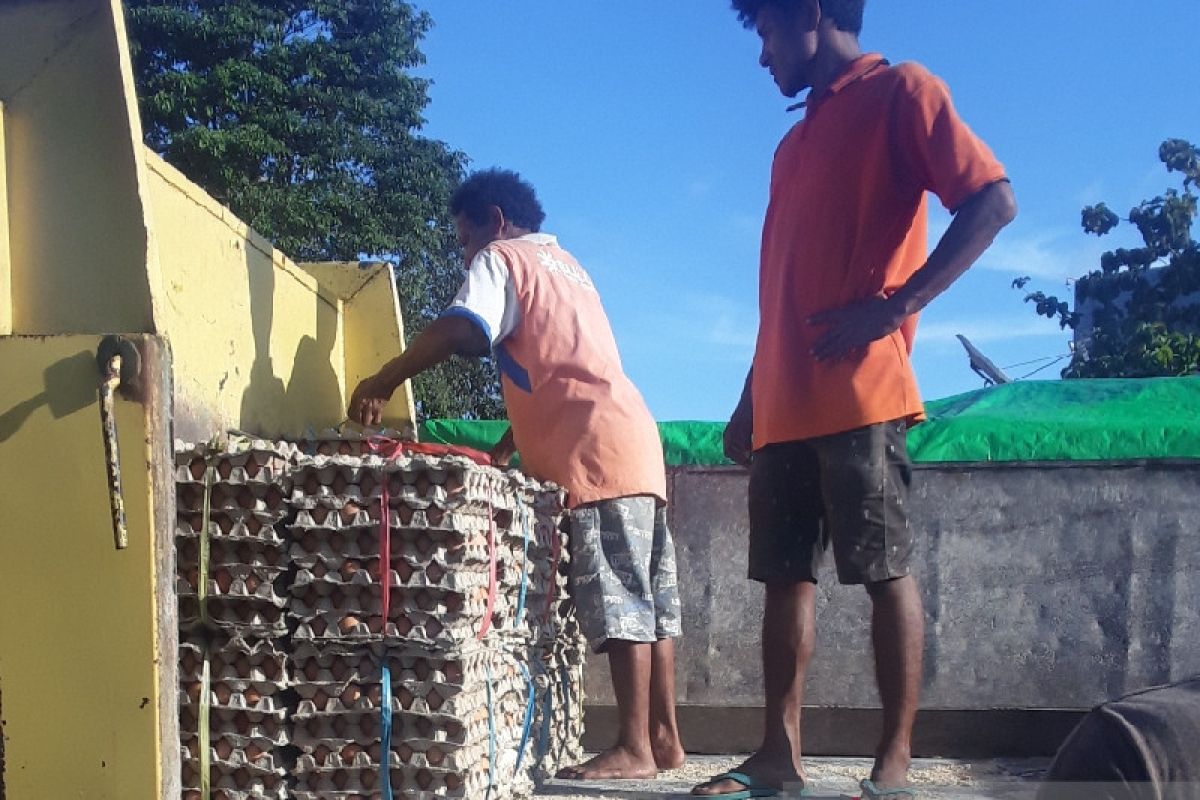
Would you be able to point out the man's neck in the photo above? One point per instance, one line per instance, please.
(837, 50)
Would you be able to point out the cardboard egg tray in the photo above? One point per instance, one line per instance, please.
(238, 461)
(234, 780)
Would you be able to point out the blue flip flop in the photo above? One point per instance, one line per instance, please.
(872, 792)
(753, 787)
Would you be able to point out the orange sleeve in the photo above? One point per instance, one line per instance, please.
(943, 154)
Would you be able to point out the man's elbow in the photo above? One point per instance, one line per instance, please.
(1001, 204)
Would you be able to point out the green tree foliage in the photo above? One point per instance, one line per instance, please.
(304, 118)
(1139, 327)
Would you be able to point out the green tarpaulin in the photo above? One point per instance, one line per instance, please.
(1078, 420)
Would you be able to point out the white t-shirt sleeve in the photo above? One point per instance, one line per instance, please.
(488, 297)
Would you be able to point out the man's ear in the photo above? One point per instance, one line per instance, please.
(809, 14)
(496, 221)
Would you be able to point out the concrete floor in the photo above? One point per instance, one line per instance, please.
(936, 779)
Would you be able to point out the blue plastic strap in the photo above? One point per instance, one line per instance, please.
(385, 737)
(529, 707)
(520, 616)
(491, 733)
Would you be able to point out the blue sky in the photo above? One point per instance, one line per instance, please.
(648, 127)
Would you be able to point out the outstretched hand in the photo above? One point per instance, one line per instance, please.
(738, 435)
(368, 401)
(850, 329)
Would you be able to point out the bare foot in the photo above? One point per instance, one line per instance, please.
(616, 764)
(767, 770)
(668, 753)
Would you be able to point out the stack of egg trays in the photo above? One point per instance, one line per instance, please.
(247, 718)
(243, 637)
(440, 528)
(448, 740)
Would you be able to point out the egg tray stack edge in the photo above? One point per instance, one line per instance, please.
(294, 583)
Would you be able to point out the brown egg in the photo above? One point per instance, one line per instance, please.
(424, 727)
(339, 670)
(339, 483)
(252, 696)
(374, 752)
(435, 756)
(424, 779)
(375, 695)
(349, 569)
(405, 697)
(196, 522)
(311, 543)
(349, 752)
(366, 484)
(320, 753)
(312, 485)
(435, 573)
(253, 526)
(318, 626)
(197, 467)
(347, 624)
(274, 498)
(311, 670)
(403, 624)
(225, 469)
(435, 516)
(319, 570)
(375, 624)
(325, 449)
(253, 752)
(345, 449)
(270, 669)
(405, 752)
(319, 514)
(433, 628)
(454, 602)
(434, 699)
(225, 525)
(405, 513)
(350, 695)
(320, 700)
(349, 512)
(453, 672)
(452, 781)
(252, 583)
(193, 691)
(222, 693)
(368, 779)
(404, 571)
(252, 466)
(224, 749)
(246, 498)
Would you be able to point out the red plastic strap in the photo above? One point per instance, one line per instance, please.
(385, 554)
(491, 600)
(392, 449)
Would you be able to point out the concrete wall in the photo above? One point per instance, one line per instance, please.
(1045, 587)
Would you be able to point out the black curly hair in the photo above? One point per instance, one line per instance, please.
(503, 188)
(847, 15)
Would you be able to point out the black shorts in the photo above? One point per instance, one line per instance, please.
(849, 489)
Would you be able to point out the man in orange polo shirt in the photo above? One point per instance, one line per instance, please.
(822, 419)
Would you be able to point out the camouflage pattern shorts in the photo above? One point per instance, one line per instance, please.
(623, 571)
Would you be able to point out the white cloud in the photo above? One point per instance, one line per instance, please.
(987, 331)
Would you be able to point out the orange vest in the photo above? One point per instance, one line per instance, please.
(576, 418)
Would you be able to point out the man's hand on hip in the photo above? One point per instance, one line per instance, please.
(850, 329)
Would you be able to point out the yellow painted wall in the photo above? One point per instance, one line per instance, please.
(78, 232)
(5, 287)
(259, 343)
(77, 661)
